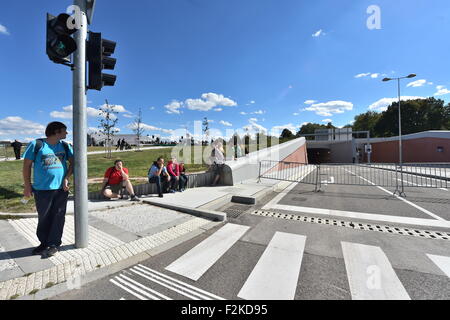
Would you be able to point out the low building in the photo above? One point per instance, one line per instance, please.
(427, 146)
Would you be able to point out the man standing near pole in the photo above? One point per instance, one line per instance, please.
(17, 146)
(50, 184)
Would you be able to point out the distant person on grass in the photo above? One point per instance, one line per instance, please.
(50, 185)
(116, 179)
(17, 146)
(158, 174)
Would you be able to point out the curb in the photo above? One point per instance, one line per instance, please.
(209, 214)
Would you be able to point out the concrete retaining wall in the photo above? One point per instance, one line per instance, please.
(247, 167)
(195, 180)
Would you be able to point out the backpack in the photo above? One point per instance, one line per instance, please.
(40, 144)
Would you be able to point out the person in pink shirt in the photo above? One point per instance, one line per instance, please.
(174, 171)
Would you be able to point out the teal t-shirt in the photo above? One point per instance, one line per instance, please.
(50, 165)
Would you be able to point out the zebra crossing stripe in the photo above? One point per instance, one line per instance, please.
(370, 274)
(275, 276)
(128, 290)
(442, 262)
(192, 294)
(198, 260)
(174, 281)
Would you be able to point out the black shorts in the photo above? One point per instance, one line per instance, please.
(218, 168)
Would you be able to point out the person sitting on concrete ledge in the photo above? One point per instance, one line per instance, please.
(116, 179)
(217, 160)
(158, 174)
(183, 177)
(174, 171)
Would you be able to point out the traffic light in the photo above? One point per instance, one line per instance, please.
(60, 45)
(99, 57)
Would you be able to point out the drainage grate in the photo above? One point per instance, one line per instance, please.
(359, 226)
(236, 210)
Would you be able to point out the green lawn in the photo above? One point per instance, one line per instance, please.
(138, 163)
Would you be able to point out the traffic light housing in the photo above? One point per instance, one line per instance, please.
(60, 44)
(99, 58)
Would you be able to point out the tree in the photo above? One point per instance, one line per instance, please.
(108, 125)
(366, 122)
(206, 128)
(417, 115)
(286, 134)
(138, 129)
(310, 128)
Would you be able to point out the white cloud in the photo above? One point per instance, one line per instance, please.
(296, 114)
(383, 104)
(17, 126)
(174, 107)
(442, 90)
(244, 113)
(310, 101)
(328, 108)
(209, 101)
(374, 75)
(152, 108)
(259, 112)
(327, 120)
(254, 127)
(147, 127)
(67, 113)
(218, 109)
(225, 123)
(253, 120)
(418, 83)
(278, 129)
(318, 33)
(128, 115)
(4, 30)
(362, 75)
(115, 108)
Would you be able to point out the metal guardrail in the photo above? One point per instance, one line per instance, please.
(388, 175)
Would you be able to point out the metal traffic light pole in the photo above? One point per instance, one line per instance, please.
(80, 131)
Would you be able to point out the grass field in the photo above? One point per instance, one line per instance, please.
(138, 163)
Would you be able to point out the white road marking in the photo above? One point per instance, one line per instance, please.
(194, 295)
(442, 262)
(128, 290)
(404, 200)
(156, 293)
(370, 274)
(327, 182)
(194, 263)
(122, 298)
(283, 193)
(175, 281)
(276, 274)
(364, 216)
(420, 185)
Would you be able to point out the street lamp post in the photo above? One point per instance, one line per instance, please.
(400, 149)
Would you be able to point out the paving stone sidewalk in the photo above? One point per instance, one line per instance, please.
(114, 235)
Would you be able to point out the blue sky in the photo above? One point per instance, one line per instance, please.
(242, 63)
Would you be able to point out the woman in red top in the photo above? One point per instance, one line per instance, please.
(116, 178)
(174, 170)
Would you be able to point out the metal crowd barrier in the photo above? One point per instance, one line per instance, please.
(388, 175)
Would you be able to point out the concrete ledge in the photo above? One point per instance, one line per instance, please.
(208, 214)
(243, 200)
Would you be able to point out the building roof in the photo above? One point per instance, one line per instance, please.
(442, 134)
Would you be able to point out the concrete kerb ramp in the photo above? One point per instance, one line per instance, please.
(246, 168)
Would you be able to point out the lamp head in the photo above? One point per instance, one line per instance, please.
(412, 75)
(387, 79)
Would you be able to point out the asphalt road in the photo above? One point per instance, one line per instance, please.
(255, 257)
